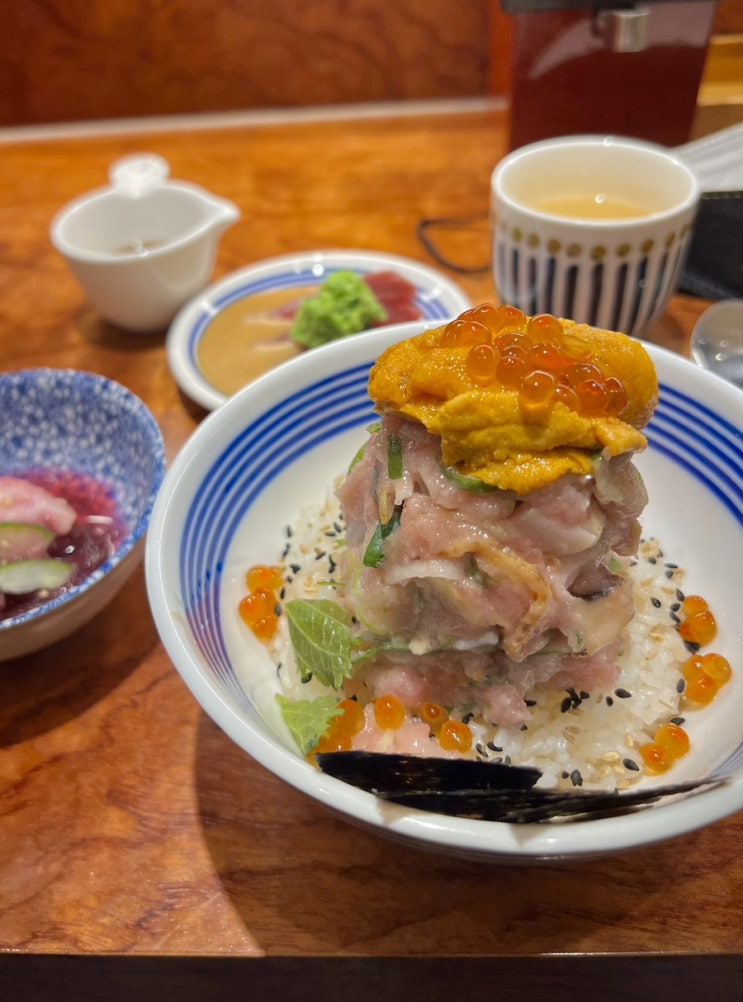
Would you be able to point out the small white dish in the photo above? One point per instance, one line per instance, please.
(717, 340)
(277, 445)
(436, 298)
(143, 246)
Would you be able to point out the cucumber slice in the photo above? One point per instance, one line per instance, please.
(24, 576)
(23, 541)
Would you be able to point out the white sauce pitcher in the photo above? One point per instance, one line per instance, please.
(144, 246)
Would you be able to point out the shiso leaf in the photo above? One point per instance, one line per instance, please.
(308, 719)
(320, 633)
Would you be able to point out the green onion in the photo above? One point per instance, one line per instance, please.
(394, 457)
(471, 484)
(374, 554)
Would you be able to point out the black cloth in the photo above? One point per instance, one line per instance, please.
(714, 264)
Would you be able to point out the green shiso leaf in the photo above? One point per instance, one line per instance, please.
(320, 633)
(308, 719)
(344, 305)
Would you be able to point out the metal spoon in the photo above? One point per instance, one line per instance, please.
(717, 340)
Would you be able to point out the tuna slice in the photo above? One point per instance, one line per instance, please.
(477, 596)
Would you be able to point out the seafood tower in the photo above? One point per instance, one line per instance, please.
(491, 518)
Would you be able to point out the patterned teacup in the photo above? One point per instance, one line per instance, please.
(591, 228)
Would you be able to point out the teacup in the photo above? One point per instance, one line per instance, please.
(144, 246)
(592, 228)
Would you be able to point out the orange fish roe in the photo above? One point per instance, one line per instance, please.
(259, 609)
(389, 712)
(455, 736)
(699, 627)
(670, 743)
(433, 715)
(534, 359)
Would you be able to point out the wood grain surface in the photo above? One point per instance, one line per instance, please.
(129, 823)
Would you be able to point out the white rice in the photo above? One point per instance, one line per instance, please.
(574, 739)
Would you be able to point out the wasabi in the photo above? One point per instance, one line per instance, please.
(344, 305)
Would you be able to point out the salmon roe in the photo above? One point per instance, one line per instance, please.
(670, 743)
(259, 608)
(455, 736)
(389, 712)
(537, 359)
(699, 625)
(433, 715)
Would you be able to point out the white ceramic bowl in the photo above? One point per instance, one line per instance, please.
(64, 420)
(278, 444)
(436, 297)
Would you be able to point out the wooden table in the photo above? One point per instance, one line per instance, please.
(138, 845)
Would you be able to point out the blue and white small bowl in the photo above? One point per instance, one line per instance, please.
(436, 298)
(278, 445)
(67, 420)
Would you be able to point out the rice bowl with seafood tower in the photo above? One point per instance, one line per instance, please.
(329, 422)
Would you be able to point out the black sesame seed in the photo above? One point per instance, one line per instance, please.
(674, 606)
(289, 532)
(691, 647)
(609, 701)
(524, 727)
(575, 778)
(564, 774)
(680, 685)
(672, 566)
(493, 747)
(282, 593)
(295, 567)
(680, 595)
(285, 551)
(630, 764)
(530, 702)
(566, 704)
(675, 618)
(652, 560)
(481, 750)
(678, 721)
(669, 574)
(656, 602)
(507, 760)
(319, 555)
(467, 717)
(584, 694)
(622, 694)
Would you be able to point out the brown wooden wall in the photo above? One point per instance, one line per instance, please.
(67, 60)
(62, 60)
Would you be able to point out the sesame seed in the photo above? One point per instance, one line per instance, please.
(575, 778)
(622, 694)
(630, 764)
(566, 704)
(680, 685)
(678, 721)
(656, 602)
(609, 701)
